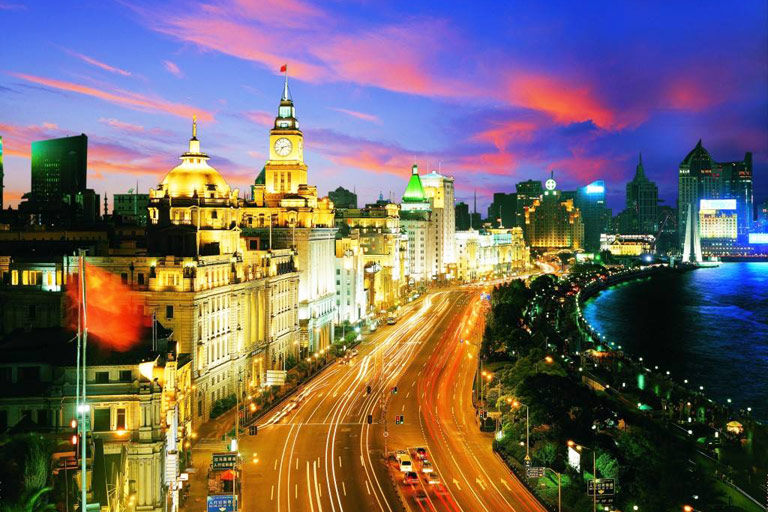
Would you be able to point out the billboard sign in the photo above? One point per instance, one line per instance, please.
(717, 204)
(276, 377)
(605, 487)
(225, 460)
(758, 238)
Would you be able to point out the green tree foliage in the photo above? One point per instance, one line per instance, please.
(33, 500)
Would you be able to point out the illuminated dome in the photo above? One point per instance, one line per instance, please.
(194, 177)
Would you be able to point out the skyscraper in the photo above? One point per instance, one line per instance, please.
(59, 170)
(643, 201)
(590, 201)
(527, 192)
(700, 177)
(416, 219)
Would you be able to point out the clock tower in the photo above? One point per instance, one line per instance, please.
(285, 170)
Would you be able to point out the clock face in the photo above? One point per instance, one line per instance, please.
(550, 184)
(283, 146)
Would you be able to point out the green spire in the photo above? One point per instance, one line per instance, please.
(414, 192)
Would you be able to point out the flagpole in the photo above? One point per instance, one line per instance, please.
(83, 338)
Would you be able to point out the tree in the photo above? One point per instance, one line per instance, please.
(607, 466)
(32, 500)
(546, 453)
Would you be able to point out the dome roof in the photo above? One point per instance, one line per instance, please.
(414, 192)
(194, 177)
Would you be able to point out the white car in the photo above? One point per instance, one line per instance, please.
(433, 478)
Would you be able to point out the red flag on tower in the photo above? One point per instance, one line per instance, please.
(284, 68)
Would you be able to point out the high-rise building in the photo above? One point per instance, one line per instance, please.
(59, 170)
(527, 192)
(343, 198)
(416, 219)
(351, 300)
(439, 190)
(762, 217)
(502, 212)
(463, 220)
(718, 219)
(590, 201)
(643, 201)
(553, 223)
(700, 177)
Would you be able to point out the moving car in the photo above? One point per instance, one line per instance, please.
(420, 496)
(411, 478)
(391, 320)
(433, 479)
(421, 453)
(426, 466)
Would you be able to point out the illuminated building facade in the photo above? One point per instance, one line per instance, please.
(627, 245)
(718, 218)
(489, 254)
(700, 177)
(284, 212)
(527, 192)
(231, 303)
(553, 223)
(590, 200)
(439, 190)
(416, 221)
(351, 298)
(377, 227)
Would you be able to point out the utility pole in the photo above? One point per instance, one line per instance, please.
(82, 340)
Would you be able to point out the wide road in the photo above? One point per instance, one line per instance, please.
(322, 455)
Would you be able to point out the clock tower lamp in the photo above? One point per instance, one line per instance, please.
(285, 170)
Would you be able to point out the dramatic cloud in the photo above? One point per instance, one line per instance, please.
(120, 125)
(121, 97)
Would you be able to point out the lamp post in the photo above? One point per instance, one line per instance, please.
(559, 489)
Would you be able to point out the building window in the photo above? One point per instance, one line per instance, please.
(126, 376)
(199, 407)
(141, 278)
(124, 278)
(101, 420)
(169, 312)
(120, 423)
(102, 377)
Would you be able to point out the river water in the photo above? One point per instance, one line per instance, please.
(709, 326)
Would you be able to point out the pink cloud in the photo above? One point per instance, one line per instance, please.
(260, 117)
(121, 125)
(17, 139)
(121, 97)
(502, 133)
(360, 115)
(99, 64)
(173, 69)
(688, 94)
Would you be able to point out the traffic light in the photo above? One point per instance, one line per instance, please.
(253, 430)
(368, 389)
(399, 420)
(394, 390)
(370, 419)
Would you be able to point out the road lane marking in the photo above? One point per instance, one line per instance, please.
(295, 491)
(297, 463)
(362, 461)
(344, 488)
(272, 493)
(339, 460)
(407, 394)
(367, 488)
(480, 482)
(456, 483)
(275, 464)
(309, 490)
(506, 485)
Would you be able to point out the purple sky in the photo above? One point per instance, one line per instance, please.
(493, 92)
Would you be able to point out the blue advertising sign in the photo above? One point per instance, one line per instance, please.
(223, 503)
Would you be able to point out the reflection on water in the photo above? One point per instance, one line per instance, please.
(709, 326)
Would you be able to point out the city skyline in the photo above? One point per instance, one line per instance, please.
(514, 118)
